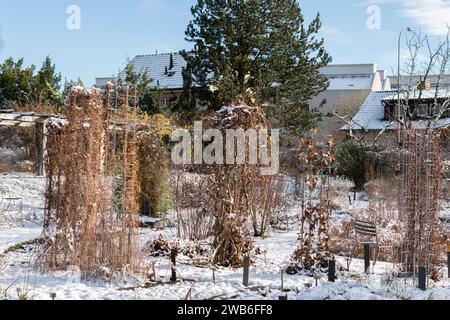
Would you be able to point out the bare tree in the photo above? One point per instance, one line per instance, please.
(426, 64)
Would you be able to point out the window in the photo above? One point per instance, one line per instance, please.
(422, 110)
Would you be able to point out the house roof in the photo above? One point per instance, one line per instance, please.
(355, 77)
(351, 82)
(423, 94)
(156, 65)
(348, 69)
(371, 115)
(337, 99)
(413, 81)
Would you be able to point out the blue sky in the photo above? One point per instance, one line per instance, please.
(112, 31)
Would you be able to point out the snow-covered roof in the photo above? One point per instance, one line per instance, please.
(348, 69)
(156, 67)
(424, 94)
(351, 83)
(355, 77)
(405, 81)
(371, 115)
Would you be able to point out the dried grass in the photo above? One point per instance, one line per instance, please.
(92, 186)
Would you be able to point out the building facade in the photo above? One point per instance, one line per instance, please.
(350, 85)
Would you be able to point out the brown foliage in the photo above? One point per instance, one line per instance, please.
(91, 199)
(229, 190)
(313, 251)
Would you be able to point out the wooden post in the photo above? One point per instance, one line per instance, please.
(367, 258)
(448, 264)
(39, 139)
(282, 279)
(332, 270)
(213, 269)
(173, 259)
(422, 278)
(283, 298)
(53, 295)
(246, 269)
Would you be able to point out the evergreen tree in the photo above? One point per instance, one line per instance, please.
(257, 49)
(352, 160)
(69, 85)
(47, 86)
(16, 83)
(187, 100)
(148, 97)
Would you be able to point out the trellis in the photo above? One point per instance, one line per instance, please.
(313, 252)
(422, 173)
(92, 184)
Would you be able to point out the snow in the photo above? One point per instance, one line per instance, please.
(17, 272)
(144, 219)
(57, 123)
(17, 226)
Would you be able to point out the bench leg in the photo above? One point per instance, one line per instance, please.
(376, 255)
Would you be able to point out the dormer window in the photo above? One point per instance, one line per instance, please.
(422, 110)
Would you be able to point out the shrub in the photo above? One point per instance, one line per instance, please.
(352, 158)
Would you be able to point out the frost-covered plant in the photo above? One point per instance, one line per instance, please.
(154, 165)
(189, 203)
(352, 160)
(313, 252)
(230, 189)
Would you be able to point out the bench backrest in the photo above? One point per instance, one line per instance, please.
(365, 228)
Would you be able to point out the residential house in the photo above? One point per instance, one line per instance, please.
(165, 69)
(409, 82)
(350, 84)
(380, 112)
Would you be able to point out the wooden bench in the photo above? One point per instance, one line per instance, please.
(367, 234)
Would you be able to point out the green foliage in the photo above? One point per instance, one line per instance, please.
(187, 100)
(352, 158)
(16, 83)
(149, 99)
(21, 87)
(256, 49)
(69, 85)
(154, 165)
(67, 88)
(47, 86)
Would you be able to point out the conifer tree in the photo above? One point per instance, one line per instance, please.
(148, 97)
(257, 49)
(16, 83)
(47, 86)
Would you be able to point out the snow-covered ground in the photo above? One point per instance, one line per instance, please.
(18, 279)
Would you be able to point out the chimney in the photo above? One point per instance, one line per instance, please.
(171, 65)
